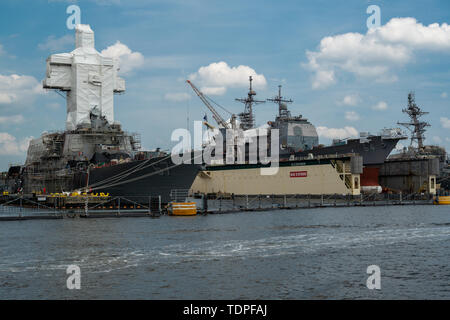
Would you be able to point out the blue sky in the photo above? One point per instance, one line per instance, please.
(340, 77)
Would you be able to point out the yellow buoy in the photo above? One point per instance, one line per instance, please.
(182, 208)
(442, 200)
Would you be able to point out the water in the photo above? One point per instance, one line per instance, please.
(282, 254)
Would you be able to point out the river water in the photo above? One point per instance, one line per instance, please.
(281, 254)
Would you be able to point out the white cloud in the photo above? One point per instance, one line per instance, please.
(380, 106)
(177, 96)
(9, 145)
(376, 53)
(17, 88)
(337, 133)
(445, 122)
(128, 60)
(217, 77)
(444, 95)
(214, 91)
(351, 116)
(437, 139)
(7, 98)
(57, 44)
(11, 119)
(409, 32)
(323, 78)
(350, 100)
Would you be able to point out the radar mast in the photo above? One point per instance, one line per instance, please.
(247, 118)
(283, 111)
(416, 127)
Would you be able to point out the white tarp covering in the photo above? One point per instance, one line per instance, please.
(89, 78)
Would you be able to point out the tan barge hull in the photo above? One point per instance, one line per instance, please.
(338, 175)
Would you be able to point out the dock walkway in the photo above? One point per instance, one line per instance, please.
(19, 208)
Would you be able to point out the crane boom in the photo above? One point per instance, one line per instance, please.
(215, 114)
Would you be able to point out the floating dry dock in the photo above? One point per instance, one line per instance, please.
(323, 175)
(410, 175)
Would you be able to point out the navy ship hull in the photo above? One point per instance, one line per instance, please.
(140, 179)
(374, 151)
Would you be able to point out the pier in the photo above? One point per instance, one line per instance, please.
(14, 207)
(273, 202)
(23, 207)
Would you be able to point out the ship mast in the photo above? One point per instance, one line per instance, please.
(282, 107)
(247, 119)
(416, 127)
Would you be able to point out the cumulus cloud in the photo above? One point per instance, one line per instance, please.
(350, 100)
(351, 116)
(7, 98)
(380, 106)
(445, 122)
(57, 44)
(437, 139)
(323, 78)
(128, 60)
(16, 119)
(18, 88)
(214, 91)
(11, 146)
(376, 53)
(177, 96)
(337, 133)
(217, 77)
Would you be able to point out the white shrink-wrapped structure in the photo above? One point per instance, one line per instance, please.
(89, 78)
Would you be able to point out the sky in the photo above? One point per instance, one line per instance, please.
(343, 76)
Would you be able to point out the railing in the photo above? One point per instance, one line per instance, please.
(22, 208)
(179, 195)
(224, 204)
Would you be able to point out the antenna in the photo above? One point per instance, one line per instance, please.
(416, 127)
(283, 112)
(247, 118)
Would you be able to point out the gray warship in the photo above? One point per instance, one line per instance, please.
(94, 154)
(299, 138)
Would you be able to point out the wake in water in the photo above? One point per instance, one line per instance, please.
(265, 247)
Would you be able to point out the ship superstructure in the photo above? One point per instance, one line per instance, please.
(417, 154)
(296, 133)
(247, 117)
(417, 129)
(298, 138)
(416, 126)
